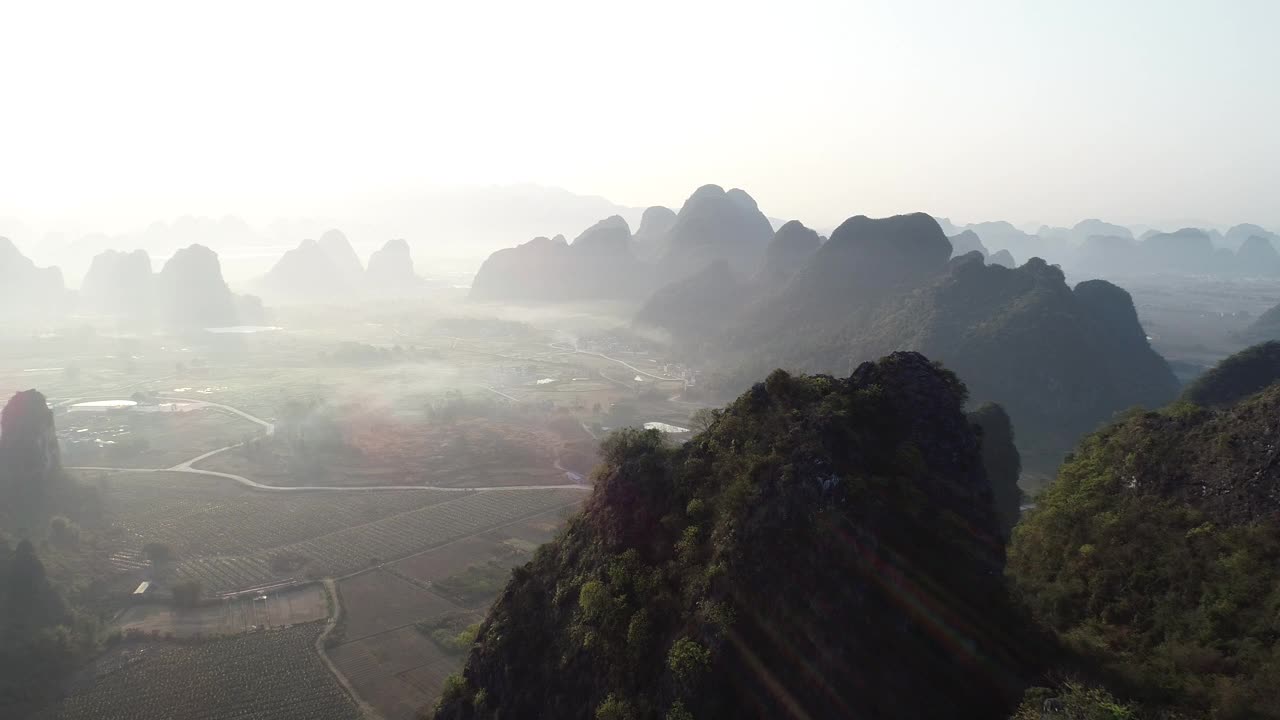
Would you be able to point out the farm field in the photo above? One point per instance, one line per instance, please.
(376, 668)
(348, 550)
(378, 601)
(199, 515)
(397, 616)
(146, 437)
(231, 538)
(293, 606)
(378, 448)
(274, 675)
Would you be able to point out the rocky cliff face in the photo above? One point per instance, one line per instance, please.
(827, 549)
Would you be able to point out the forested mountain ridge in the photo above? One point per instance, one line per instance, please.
(753, 572)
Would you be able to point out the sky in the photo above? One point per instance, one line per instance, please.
(120, 113)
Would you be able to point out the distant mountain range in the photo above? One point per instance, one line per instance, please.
(188, 293)
(329, 271)
(607, 262)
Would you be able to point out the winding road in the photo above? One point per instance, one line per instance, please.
(623, 363)
(269, 428)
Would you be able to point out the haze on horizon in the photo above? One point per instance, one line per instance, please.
(1140, 112)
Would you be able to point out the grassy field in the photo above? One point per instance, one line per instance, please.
(293, 606)
(272, 675)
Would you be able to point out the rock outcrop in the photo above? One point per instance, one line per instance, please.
(28, 441)
(774, 566)
(391, 269)
(191, 292)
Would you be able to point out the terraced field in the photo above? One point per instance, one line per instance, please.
(273, 675)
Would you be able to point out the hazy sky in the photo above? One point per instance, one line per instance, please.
(1029, 110)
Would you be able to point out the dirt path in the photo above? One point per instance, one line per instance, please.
(366, 710)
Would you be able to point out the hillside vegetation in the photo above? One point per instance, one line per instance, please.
(1157, 553)
(1236, 377)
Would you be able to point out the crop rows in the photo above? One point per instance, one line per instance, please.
(274, 674)
(196, 519)
(347, 550)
